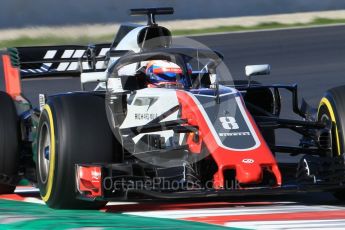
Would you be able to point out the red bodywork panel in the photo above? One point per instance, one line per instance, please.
(12, 77)
(89, 180)
(248, 164)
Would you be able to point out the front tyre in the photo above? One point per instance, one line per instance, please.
(73, 128)
(332, 113)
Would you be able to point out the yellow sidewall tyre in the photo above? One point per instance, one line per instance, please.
(332, 109)
(73, 128)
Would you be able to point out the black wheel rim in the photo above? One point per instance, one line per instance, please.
(44, 153)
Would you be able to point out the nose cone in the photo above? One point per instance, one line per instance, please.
(248, 173)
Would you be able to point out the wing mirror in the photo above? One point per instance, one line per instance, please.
(254, 70)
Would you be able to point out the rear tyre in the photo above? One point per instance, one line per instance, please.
(9, 144)
(73, 129)
(332, 113)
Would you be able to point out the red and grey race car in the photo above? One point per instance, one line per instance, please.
(142, 134)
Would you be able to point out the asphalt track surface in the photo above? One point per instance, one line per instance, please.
(313, 58)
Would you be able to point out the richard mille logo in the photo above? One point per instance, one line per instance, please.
(145, 116)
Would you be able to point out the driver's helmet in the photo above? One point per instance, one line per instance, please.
(162, 71)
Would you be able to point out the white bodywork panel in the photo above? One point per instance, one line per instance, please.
(93, 77)
(129, 42)
(147, 105)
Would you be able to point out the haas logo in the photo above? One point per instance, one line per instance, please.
(229, 123)
(248, 161)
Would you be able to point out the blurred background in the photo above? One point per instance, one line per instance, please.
(23, 13)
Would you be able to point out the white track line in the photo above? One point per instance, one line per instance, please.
(179, 214)
(25, 189)
(291, 224)
(34, 200)
(121, 203)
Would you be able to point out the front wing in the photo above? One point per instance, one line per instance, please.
(121, 181)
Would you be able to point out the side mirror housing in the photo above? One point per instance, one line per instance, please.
(92, 77)
(253, 70)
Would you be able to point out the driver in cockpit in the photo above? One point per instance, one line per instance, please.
(166, 74)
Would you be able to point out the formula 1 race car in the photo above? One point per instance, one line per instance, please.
(162, 122)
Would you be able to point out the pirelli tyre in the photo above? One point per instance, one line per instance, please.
(332, 112)
(9, 144)
(73, 128)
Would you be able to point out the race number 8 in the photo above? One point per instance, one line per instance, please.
(229, 123)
